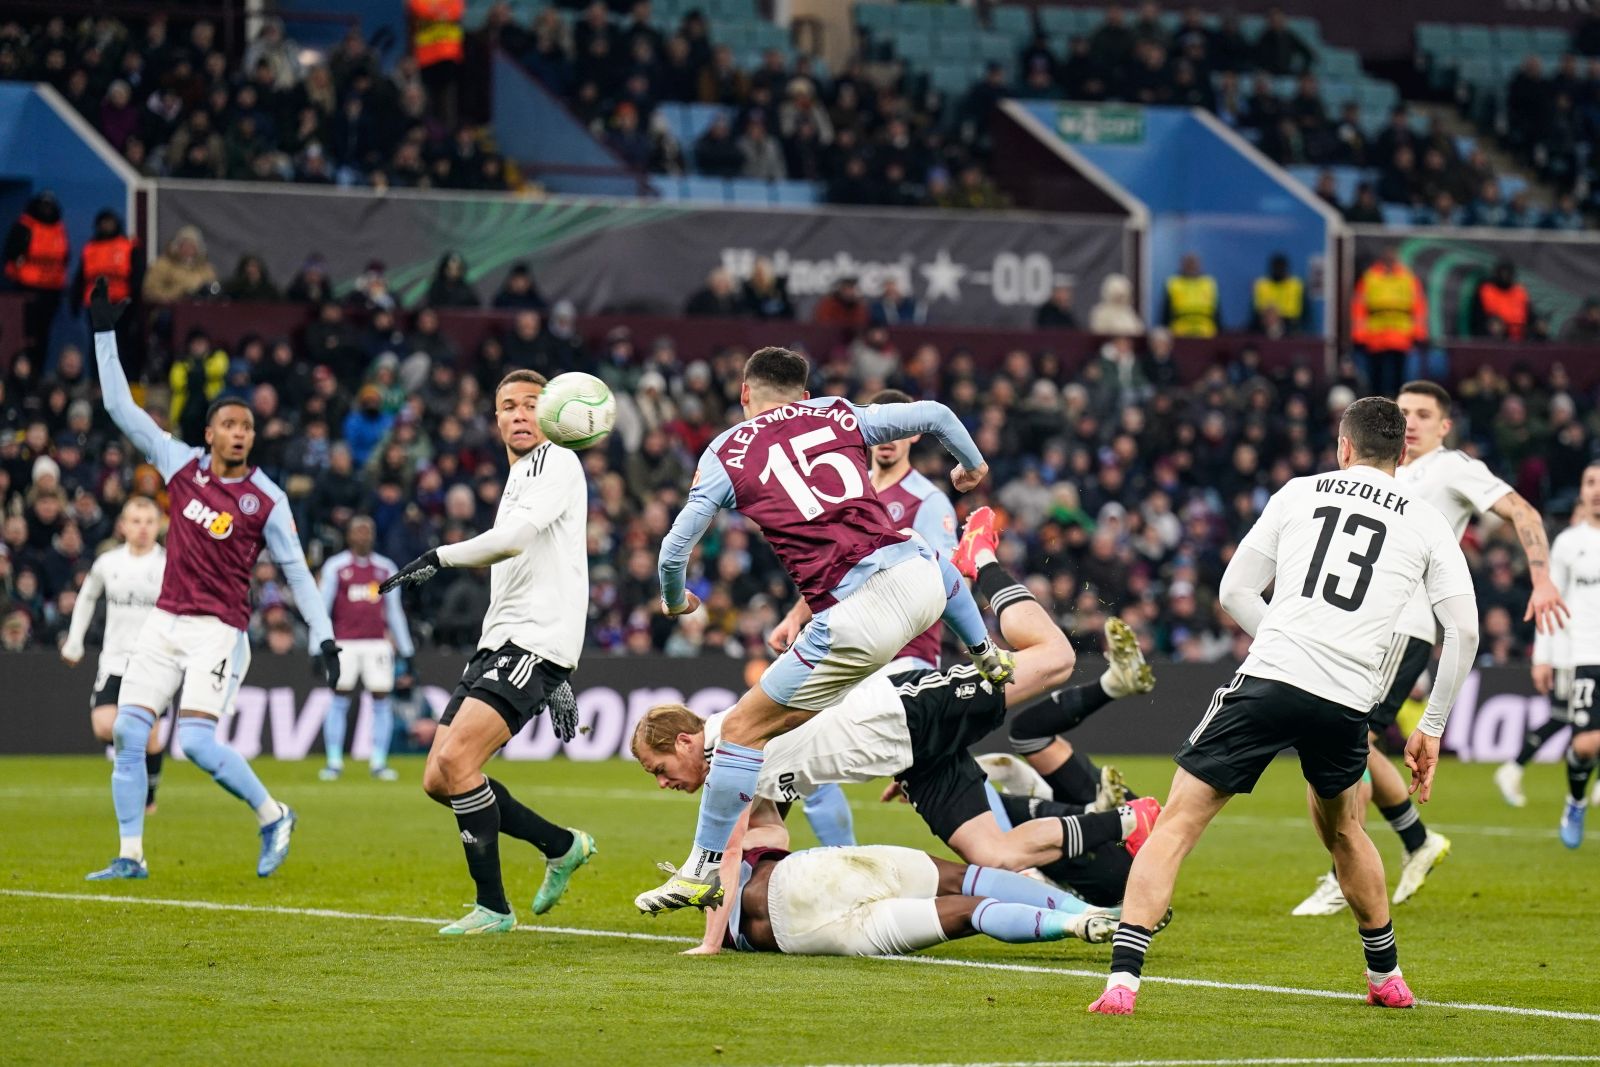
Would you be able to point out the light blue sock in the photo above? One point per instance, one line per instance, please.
(129, 779)
(960, 610)
(999, 809)
(229, 769)
(828, 812)
(1010, 888)
(1018, 924)
(382, 730)
(333, 728)
(730, 787)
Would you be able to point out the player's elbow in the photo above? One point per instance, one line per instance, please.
(1060, 659)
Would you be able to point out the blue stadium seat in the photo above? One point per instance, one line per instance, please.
(797, 194)
(914, 48)
(1339, 63)
(1396, 215)
(1512, 40)
(1548, 41)
(749, 191)
(1477, 70)
(997, 48)
(667, 187)
(1512, 184)
(1336, 94)
(915, 17)
(1474, 41)
(700, 187)
(1309, 29)
(1015, 22)
(953, 46)
(879, 18)
(953, 18)
(1058, 21)
(1434, 38)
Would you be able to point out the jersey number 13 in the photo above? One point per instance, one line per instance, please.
(1363, 560)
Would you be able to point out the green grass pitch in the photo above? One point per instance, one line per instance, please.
(1511, 919)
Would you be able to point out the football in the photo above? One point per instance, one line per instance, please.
(576, 410)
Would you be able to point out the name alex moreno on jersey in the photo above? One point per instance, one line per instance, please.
(743, 436)
(1384, 498)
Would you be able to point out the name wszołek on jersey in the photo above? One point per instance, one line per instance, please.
(1384, 498)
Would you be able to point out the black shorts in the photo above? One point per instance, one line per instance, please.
(1251, 720)
(514, 682)
(1580, 710)
(106, 691)
(1408, 657)
(947, 712)
(1099, 877)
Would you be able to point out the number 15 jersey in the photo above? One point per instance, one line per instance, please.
(1350, 548)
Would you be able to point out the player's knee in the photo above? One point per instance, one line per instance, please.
(450, 767)
(434, 783)
(130, 732)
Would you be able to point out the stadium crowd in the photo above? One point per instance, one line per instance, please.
(1125, 485)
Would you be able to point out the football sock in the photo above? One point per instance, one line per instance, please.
(227, 768)
(1013, 888)
(1128, 947)
(960, 610)
(478, 816)
(1383, 958)
(828, 812)
(518, 820)
(1076, 781)
(997, 807)
(333, 728)
(1578, 772)
(129, 779)
(1001, 589)
(1085, 833)
(1036, 808)
(382, 730)
(1017, 924)
(1405, 820)
(152, 773)
(1535, 738)
(730, 787)
(1034, 729)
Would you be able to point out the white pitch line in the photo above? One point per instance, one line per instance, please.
(1275, 1061)
(1065, 972)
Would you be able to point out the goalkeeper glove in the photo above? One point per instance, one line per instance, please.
(416, 572)
(997, 665)
(563, 708)
(103, 314)
(326, 662)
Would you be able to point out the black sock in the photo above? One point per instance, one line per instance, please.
(479, 818)
(1085, 833)
(1382, 955)
(1535, 738)
(1578, 772)
(523, 823)
(1077, 781)
(1041, 809)
(1128, 947)
(1000, 589)
(152, 770)
(1037, 726)
(1018, 809)
(1405, 820)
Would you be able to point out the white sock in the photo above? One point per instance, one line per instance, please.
(1380, 977)
(336, 762)
(983, 557)
(132, 848)
(1124, 979)
(1130, 820)
(1113, 690)
(702, 863)
(270, 812)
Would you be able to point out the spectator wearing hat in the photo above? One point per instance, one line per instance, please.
(450, 288)
(310, 285)
(182, 270)
(367, 424)
(518, 292)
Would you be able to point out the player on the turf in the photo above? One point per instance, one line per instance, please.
(193, 645)
(1575, 569)
(797, 468)
(532, 636)
(915, 502)
(917, 727)
(129, 578)
(361, 620)
(881, 900)
(1460, 487)
(1346, 552)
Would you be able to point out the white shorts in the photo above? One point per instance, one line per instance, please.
(843, 644)
(198, 658)
(874, 900)
(366, 663)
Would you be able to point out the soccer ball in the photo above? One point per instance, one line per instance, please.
(576, 410)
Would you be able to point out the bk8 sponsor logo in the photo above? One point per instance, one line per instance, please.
(219, 524)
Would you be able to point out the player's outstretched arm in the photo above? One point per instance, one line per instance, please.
(1547, 611)
(168, 455)
(711, 492)
(94, 585)
(893, 422)
(1248, 575)
(1458, 619)
(283, 543)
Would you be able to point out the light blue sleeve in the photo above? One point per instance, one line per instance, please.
(159, 448)
(712, 491)
(960, 609)
(284, 546)
(329, 582)
(893, 422)
(394, 612)
(936, 522)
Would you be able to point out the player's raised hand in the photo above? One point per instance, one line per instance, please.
(416, 572)
(689, 605)
(965, 481)
(1422, 758)
(1544, 677)
(325, 662)
(1546, 610)
(103, 314)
